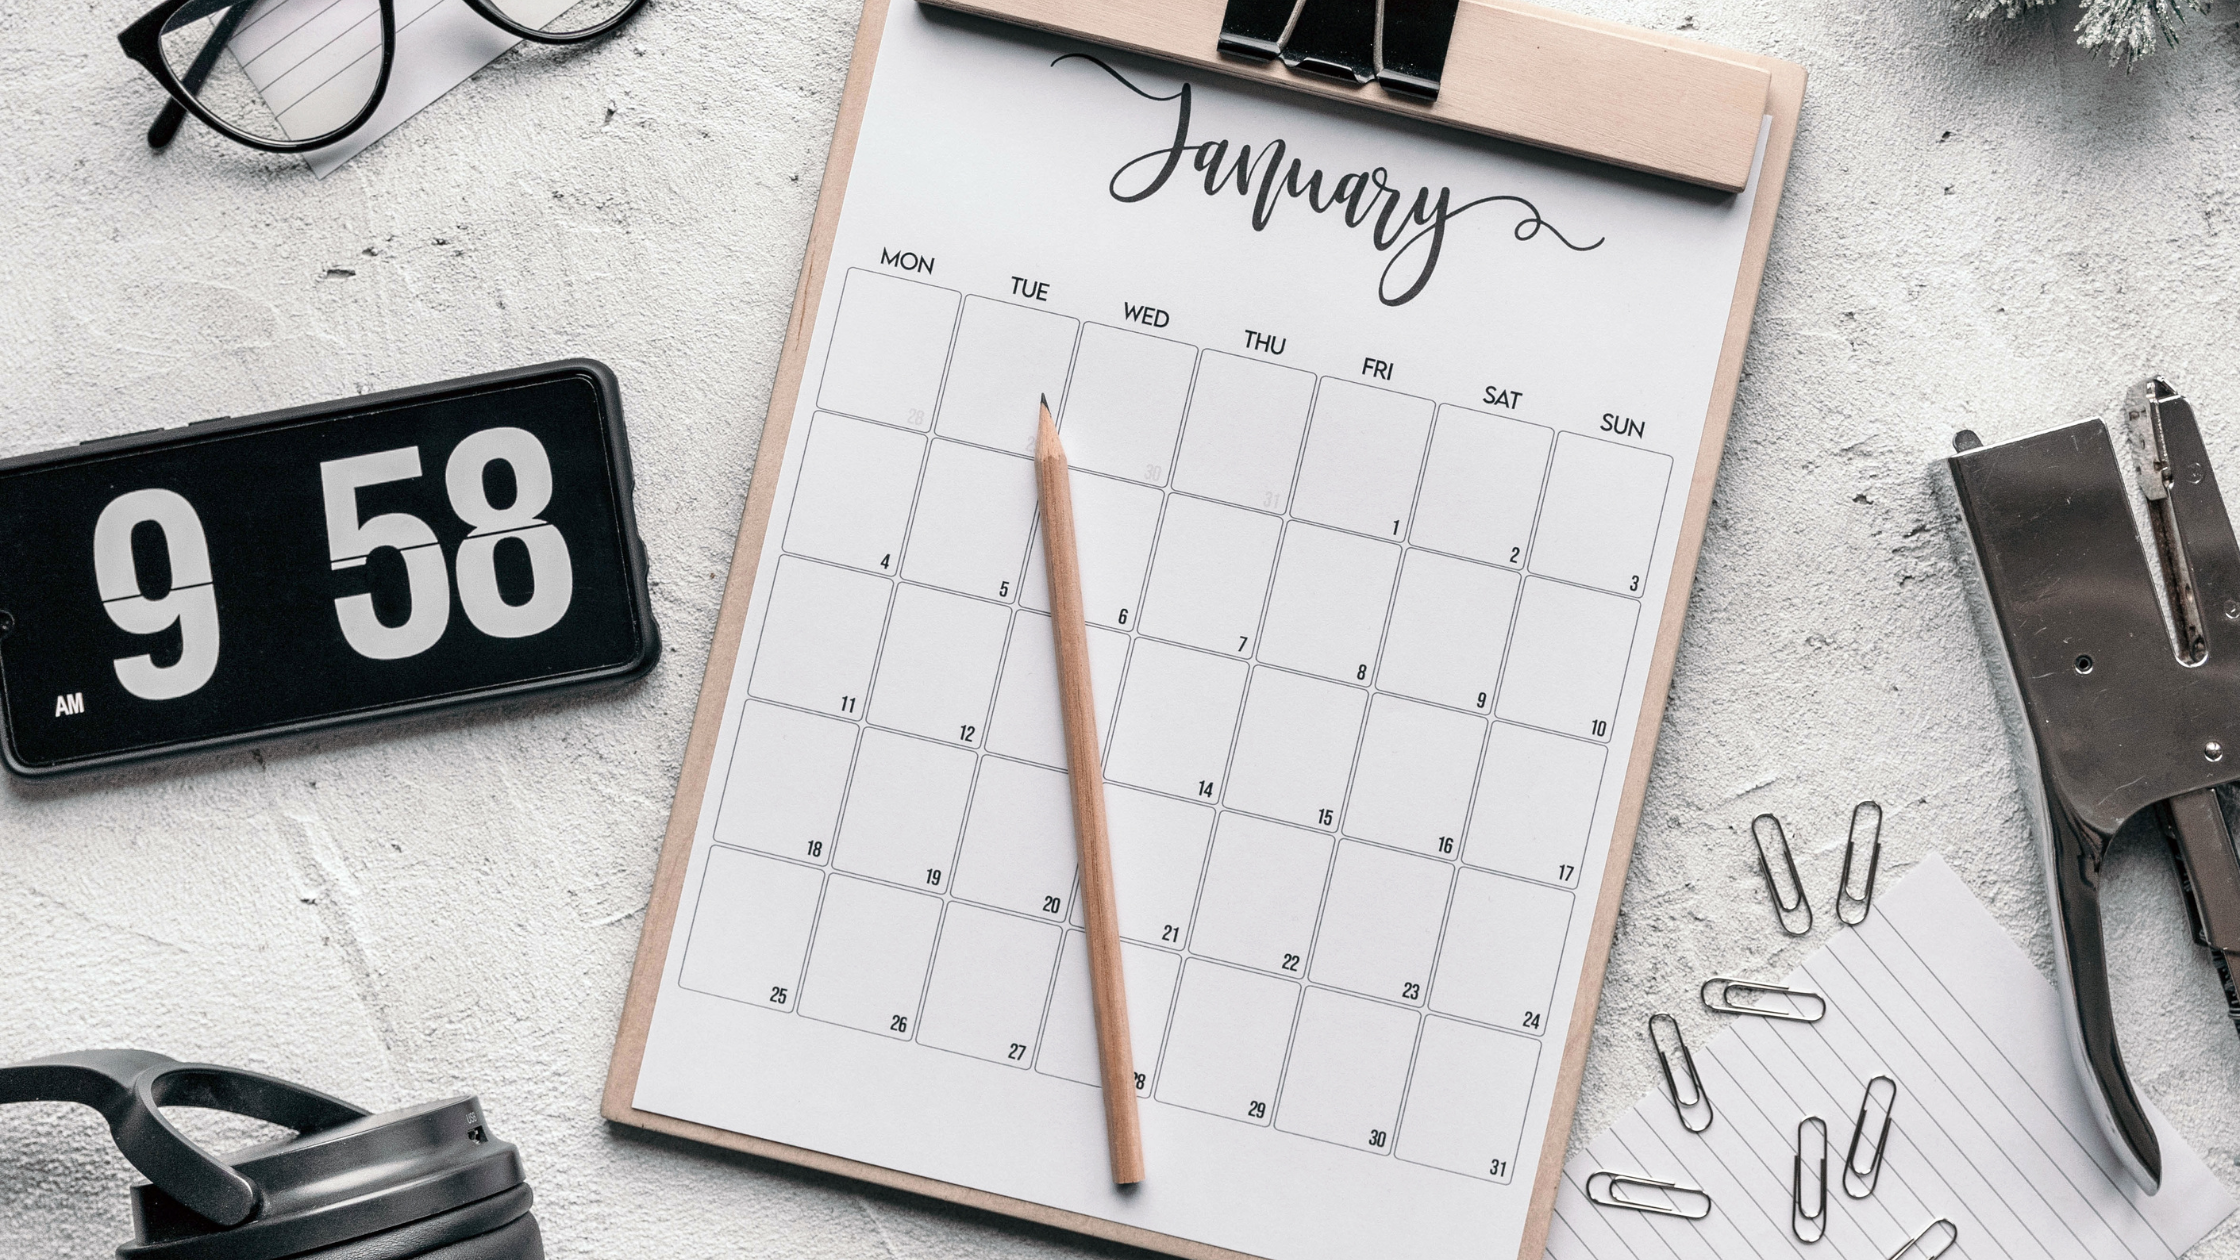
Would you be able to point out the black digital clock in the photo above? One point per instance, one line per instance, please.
(239, 579)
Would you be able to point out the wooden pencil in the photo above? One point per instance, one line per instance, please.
(1077, 700)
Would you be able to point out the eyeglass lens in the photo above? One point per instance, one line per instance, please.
(277, 69)
(560, 17)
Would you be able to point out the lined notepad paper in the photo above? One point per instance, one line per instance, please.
(1993, 1130)
(299, 53)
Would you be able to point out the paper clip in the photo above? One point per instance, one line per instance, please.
(1682, 1106)
(1919, 1243)
(1684, 1198)
(1869, 814)
(1872, 1173)
(1817, 1218)
(1782, 907)
(1740, 997)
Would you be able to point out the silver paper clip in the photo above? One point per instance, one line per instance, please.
(1817, 1218)
(1919, 1244)
(1867, 814)
(1872, 1173)
(1698, 1102)
(1783, 907)
(1685, 1202)
(1729, 996)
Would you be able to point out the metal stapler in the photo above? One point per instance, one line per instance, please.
(2127, 689)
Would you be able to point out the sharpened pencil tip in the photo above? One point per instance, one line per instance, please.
(1046, 444)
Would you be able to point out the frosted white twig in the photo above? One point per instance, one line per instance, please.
(2127, 29)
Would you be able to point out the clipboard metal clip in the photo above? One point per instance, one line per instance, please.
(1401, 44)
(1685, 1202)
(1695, 1103)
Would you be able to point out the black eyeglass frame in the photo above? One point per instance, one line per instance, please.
(143, 42)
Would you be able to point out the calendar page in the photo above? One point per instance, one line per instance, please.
(1381, 440)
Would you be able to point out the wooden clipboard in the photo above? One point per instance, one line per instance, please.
(1642, 100)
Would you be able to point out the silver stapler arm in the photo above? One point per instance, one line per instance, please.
(2126, 696)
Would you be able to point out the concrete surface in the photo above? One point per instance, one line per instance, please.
(1984, 227)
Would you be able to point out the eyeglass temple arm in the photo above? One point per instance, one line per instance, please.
(167, 122)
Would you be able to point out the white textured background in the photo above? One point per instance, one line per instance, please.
(1984, 227)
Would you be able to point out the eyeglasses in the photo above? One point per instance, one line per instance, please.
(290, 75)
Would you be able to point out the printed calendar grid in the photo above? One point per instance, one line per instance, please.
(1194, 956)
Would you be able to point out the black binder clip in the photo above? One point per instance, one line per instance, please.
(1402, 44)
(1413, 53)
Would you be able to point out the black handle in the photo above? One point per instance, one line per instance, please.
(2073, 866)
(131, 1087)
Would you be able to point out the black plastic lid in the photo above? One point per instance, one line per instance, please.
(344, 1175)
(322, 1188)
